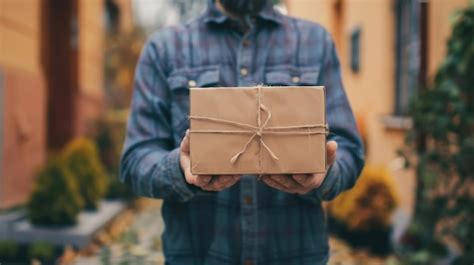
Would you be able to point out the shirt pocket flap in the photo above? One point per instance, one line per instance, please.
(278, 78)
(176, 82)
(309, 77)
(208, 78)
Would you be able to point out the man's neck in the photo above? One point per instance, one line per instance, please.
(244, 24)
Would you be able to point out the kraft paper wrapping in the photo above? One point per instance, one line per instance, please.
(258, 130)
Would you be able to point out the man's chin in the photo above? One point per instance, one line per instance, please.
(244, 7)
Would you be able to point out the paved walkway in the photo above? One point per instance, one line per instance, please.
(140, 244)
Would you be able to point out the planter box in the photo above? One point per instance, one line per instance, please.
(79, 235)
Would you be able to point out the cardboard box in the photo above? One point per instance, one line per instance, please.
(258, 130)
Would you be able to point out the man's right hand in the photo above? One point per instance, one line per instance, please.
(205, 182)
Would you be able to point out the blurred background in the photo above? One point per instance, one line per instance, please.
(66, 77)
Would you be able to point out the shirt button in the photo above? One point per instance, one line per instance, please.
(192, 83)
(295, 79)
(248, 200)
(244, 71)
(246, 43)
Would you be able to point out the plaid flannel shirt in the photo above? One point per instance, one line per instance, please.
(249, 223)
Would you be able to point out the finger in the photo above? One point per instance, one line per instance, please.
(303, 179)
(272, 183)
(203, 180)
(224, 180)
(285, 181)
(209, 188)
(219, 182)
(331, 148)
(318, 180)
(230, 183)
(184, 146)
(190, 178)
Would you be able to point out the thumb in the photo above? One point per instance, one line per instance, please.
(185, 143)
(331, 149)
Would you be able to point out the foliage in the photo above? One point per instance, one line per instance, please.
(8, 249)
(82, 159)
(105, 255)
(107, 147)
(55, 199)
(118, 190)
(369, 204)
(109, 138)
(42, 251)
(122, 53)
(441, 144)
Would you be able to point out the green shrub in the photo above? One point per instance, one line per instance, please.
(82, 159)
(440, 147)
(8, 250)
(108, 136)
(42, 251)
(118, 190)
(55, 199)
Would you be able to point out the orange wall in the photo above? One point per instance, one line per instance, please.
(24, 96)
(91, 63)
(371, 91)
(126, 15)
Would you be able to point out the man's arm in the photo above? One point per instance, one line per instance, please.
(349, 160)
(151, 164)
(150, 160)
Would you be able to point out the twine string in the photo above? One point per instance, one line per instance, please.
(259, 130)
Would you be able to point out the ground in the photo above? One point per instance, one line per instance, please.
(134, 238)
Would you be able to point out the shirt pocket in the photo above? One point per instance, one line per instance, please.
(289, 75)
(179, 83)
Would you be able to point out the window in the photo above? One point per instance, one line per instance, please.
(407, 53)
(355, 50)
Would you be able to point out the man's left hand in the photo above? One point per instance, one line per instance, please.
(301, 183)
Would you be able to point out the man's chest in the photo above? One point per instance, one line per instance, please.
(210, 59)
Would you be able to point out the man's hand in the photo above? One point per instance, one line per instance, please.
(205, 182)
(301, 183)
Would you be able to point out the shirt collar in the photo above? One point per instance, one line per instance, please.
(268, 13)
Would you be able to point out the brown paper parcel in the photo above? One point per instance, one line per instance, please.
(258, 130)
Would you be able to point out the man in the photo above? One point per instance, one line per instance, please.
(236, 219)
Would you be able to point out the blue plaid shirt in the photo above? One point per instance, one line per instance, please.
(249, 223)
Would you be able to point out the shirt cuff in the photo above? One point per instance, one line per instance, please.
(330, 183)
(178, 181)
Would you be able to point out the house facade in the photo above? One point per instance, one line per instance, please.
(389, 50)
(51, 83)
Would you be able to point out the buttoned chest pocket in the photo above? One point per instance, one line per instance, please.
(179, 83)
(287, 75)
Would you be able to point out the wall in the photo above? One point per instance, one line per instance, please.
(23, 99)
(24, 96)
(91, 63)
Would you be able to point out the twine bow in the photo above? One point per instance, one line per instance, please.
(260, 130)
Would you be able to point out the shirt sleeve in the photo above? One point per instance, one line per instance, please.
(150, 160)
(349, 161)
